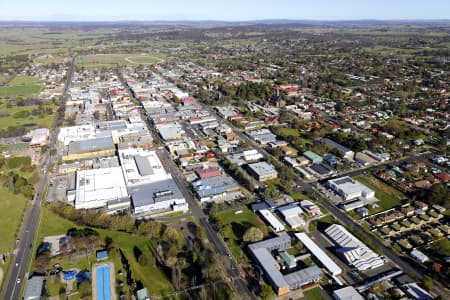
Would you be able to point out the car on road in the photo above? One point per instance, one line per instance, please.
(18, 280)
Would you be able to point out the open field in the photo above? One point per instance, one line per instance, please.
(388, 196)
(150, 276)
(109, 60)
(13, 207)
(23, 86)
(235, 226)
(11, 116)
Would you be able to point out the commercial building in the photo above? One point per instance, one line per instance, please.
(292, 215)
(281, 283)
(214, 188)
(90, 148)
(263, 171)
(353, 250)
(150, 185)
(350, 189)
(347, 293)
(101, 188)
(141, 166)
(170, 131)
(157, 197)
(328, 263)
(273, 221)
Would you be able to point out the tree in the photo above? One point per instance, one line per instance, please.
(442, 247)
(270, 193)
(427, 282)
(265, 292)
(253, 234)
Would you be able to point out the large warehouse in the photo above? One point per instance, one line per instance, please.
(97, 187)
(353, 250)
(350, 189)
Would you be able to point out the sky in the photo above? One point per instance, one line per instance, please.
(226, 10)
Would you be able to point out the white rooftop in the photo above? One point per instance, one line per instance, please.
(94, 188)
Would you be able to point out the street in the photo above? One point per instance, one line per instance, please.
(19, 263)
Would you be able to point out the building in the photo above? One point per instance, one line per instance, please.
(141, 166)
(292, 215)
(344, 152)
(39, 137)
(313, 157)
(90, 148)
(170, 131)
(364, 159)
(329, 264)
(353, 250)
(101, 188)
(273, 221)
(350, 189)
(281, 283)
(310, 208)
(263, 171)
(347, 293)
(215, 188)
(157, 197)
(34, 289)
(208, 173)
(142, 294)
(419, 256)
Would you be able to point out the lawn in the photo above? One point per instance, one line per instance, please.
(286, 131)
(388, 196)
(13, 207)
(110, 60)
(23, 86)
(299, 196)
(313, 294)
(150, 276)
(235, 226)
(322, 223)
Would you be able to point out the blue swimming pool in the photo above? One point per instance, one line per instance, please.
(103, 282)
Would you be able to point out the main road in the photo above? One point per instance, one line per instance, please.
(27, 234)
(196, 210)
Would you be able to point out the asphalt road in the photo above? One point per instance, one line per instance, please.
(27, 234)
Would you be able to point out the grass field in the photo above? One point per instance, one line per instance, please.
(238, 224)
(13, 207)
(286, 131)
(110, 60)
(313, 294)
(23, 86)
(388, 196)
(38, 120)
(150, 276)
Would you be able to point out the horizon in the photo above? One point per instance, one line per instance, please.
(221, 11)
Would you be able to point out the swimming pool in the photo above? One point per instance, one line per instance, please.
(103, 282)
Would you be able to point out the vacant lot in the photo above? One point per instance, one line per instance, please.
(22, 86)
(235, 226)
(388, 196)
(150, 276)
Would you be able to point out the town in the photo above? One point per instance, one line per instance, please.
(285, 161)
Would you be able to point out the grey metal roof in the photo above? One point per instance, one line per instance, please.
(272, 243)
(146, 194)
(91, 145)
(34, 288)
(270, 266)
(304, 276)
(143, 165)
(262, 168)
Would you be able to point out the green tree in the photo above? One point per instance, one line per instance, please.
(253, 234)
(427, 282)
